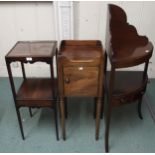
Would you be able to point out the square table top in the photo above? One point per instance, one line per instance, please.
(33, 49)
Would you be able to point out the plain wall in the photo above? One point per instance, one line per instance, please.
(25, 21)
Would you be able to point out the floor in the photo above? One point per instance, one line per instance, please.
(127, 133)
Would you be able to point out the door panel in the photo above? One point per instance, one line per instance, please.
(80, 81)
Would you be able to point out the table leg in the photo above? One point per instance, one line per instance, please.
(62, 111)
(98, 114)
(66, 107)
(30, 111)
(109, 108)
(20, 123)
(14, 97)
(108, 117)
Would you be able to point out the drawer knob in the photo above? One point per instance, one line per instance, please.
(80, 68)
(146, 51)
(67, 80)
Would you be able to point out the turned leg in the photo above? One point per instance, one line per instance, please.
(139, 108)
(62, 111)
(98, 114)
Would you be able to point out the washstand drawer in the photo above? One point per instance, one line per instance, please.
(128, 98)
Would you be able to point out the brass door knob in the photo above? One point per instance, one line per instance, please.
(67, 80)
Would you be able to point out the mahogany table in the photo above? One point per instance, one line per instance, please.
(124, 48)
(33, 92)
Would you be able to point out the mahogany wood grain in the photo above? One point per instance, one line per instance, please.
(35, 92)
(35, 50)
(35, 88)
(82, 52)
(81, 81)
(80, 73)
(124, 48)
(128, 86)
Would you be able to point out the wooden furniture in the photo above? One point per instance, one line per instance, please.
(124, 48)
(34, 92)
(80, 73)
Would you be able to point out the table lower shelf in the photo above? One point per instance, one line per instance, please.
(129, 86)
(36, 92)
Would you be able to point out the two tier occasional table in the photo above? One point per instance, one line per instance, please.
(33, 92)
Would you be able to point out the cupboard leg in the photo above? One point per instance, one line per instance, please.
(66, 108)
(94, 108)
(102, 109)
(62, 111)
(56, 123)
